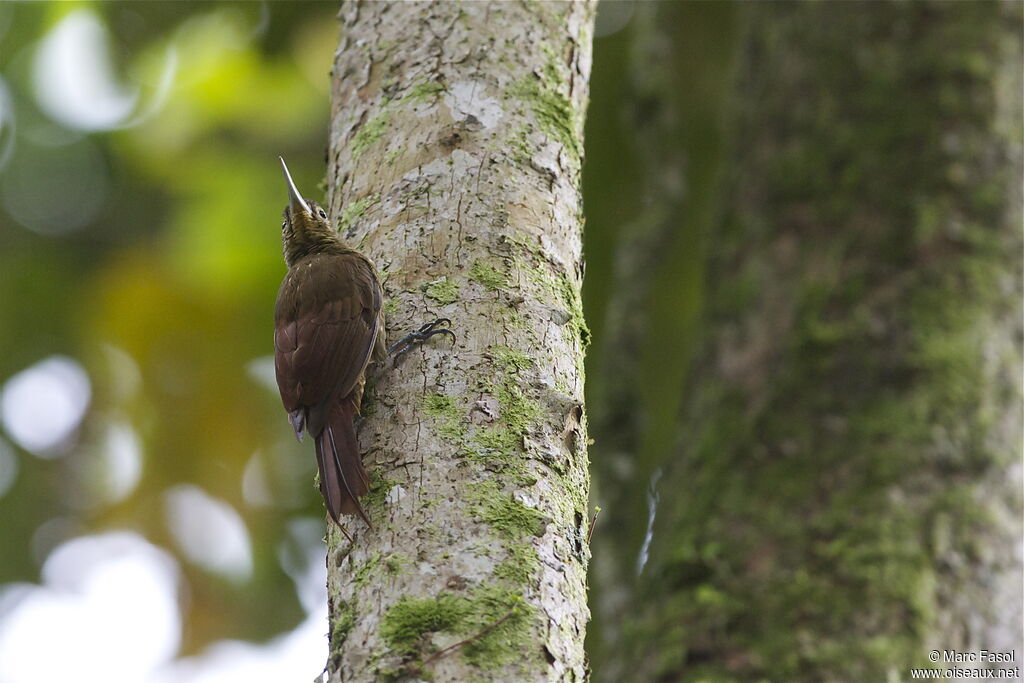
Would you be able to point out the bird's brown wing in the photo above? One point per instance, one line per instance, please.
(324, 330)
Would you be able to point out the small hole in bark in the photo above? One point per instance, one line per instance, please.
(451, 141)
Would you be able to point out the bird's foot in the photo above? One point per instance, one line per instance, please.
(426, 331)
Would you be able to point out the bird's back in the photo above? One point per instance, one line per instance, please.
(325, 328)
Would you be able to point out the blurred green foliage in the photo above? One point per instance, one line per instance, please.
(148, 250)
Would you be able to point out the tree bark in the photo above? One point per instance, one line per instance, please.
(847, 494)
(454, 163)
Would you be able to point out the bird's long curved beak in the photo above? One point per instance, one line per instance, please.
(294, 198)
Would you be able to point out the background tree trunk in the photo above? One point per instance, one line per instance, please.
(846, 497)
(649, 233)
(454, 163)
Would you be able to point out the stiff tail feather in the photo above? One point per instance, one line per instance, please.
(342, 476)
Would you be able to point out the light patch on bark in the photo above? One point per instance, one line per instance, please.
(468, 103)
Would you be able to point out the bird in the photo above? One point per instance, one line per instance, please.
(328, 327)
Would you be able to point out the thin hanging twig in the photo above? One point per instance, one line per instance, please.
(593, 523)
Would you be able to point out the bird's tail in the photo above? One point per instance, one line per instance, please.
(342, 476)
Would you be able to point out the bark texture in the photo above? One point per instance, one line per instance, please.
(847, 496)
(454, 163)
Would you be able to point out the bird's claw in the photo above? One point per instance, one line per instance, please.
(426, 331)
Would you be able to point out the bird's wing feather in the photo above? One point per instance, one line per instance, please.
(325, 328)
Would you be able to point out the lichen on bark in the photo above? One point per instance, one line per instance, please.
(477, 449)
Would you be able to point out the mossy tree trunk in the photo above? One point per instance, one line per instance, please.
(675, 87)
(847, 493)
(454, 163)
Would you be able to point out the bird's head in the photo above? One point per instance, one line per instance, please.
(306, 226)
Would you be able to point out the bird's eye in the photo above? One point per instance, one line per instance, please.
(322, 214)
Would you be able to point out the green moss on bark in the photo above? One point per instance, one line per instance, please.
(510, 360)
(501, 619)
(520, 565)
(353, 211)
(410, 621)
(503, 513)
(368, 134)
(342, 622)
(487, 275)
(562, 293)
(552, 110)
(443, 291)
(379, 488)
(444, 410)
(423, 91)
(493, 620)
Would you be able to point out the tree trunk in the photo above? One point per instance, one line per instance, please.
(847, 494)
(454, 163)
(676, 86)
